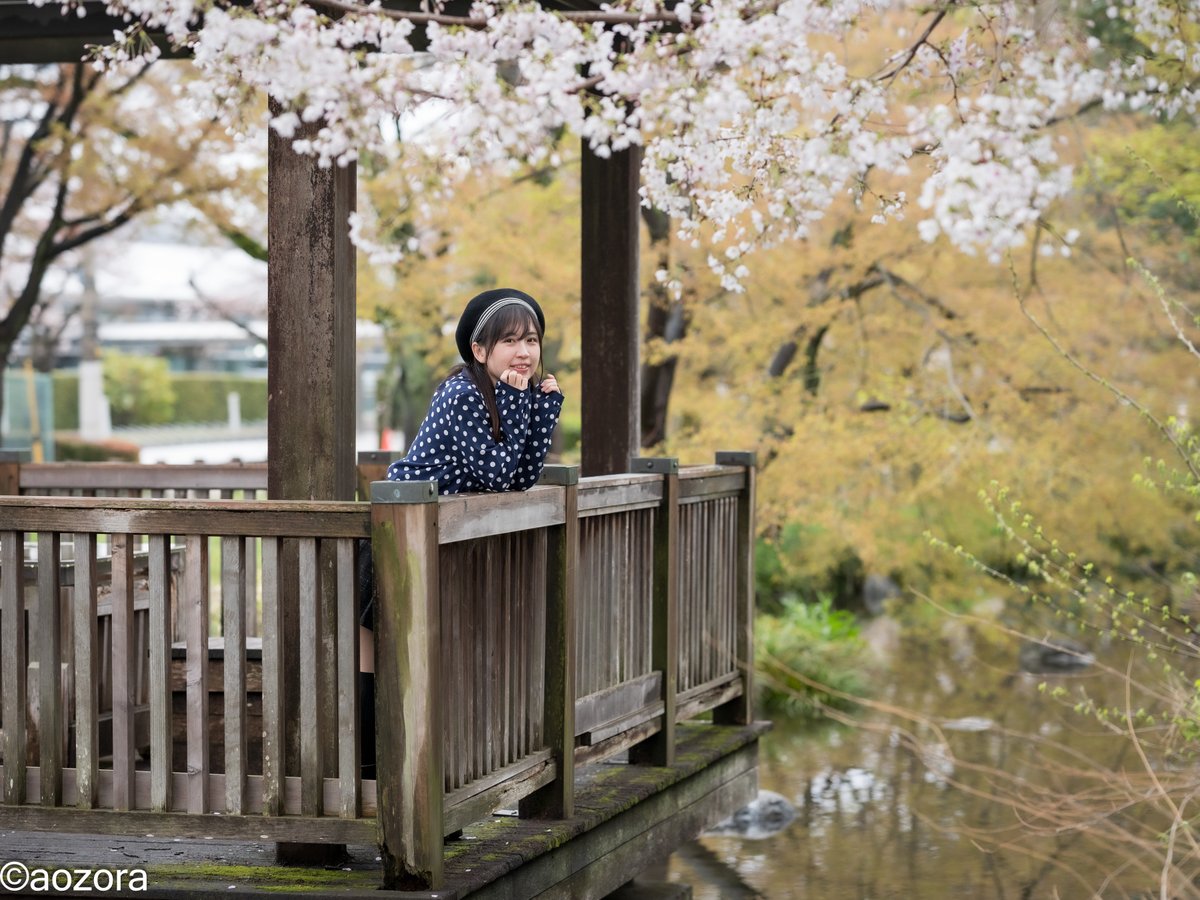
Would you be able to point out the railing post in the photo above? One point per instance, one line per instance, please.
(408, 696)
(659, 749)
(740, 710)
(10, 471)
(13, 668)
(372, 466)
(557, 799)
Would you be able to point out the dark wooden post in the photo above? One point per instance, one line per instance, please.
(310, 309)
(372, 466)
(557, 799)
(10, 471)
(609, 293)
(310, 400)
(408, 695)
(740, 710)
(659, 749)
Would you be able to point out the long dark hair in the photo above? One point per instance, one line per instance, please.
(514, 320)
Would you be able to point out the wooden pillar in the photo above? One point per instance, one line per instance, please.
(310, 339)
(310, 399)
(740, 710)
(609, 292)
(408, 693)
(557, 799)
(659, 749)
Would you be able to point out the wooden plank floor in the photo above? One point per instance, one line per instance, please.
(625, 816)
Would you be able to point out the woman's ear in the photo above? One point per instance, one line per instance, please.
(480, 353)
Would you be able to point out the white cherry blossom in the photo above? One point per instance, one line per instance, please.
(749, 123)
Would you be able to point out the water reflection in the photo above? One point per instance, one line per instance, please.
(898, 806)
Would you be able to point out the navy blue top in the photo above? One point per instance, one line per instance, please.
(455, 446)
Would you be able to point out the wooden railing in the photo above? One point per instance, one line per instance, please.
(516, 637)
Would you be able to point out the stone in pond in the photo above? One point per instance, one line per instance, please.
(768, 814)
(1054, 654)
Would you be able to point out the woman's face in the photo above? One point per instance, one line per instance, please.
(518, 350)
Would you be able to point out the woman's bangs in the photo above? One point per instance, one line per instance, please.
(513, 321)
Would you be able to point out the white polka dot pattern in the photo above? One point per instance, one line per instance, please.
(454, 445)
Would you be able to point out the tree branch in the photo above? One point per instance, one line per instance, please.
(424, 18)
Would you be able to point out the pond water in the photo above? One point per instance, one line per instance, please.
(975, 795)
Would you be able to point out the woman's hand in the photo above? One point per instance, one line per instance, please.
(514, 379)
(550, 385)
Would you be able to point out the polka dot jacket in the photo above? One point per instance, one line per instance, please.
(455, 446)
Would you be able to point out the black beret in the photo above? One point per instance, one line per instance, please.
(476, 308)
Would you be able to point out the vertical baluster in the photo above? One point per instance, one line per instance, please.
(272, 678)
(50, 727)
(124, 661)
(161, 736)
(519, 647)
(312, 770)
(233, 601)
(504, 721)
(13, 665)
(250, 584)
(87, 691)
(347, 683)
(195, 614)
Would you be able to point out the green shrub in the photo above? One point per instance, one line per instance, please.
(66, 399)
(808, 656)
(139, 389)
(200, 396)
(69, 448)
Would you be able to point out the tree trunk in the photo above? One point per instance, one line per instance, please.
(665, 319)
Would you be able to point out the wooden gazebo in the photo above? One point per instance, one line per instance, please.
(625, 606)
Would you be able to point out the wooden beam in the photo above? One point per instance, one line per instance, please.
(609, 292)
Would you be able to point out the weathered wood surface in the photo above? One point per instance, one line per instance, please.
(659, 750)
(493, 609)
(275, 518)
(556, 799)
(142, 787)
(618, 493)
(13, 670)
(501, 632)
(408, 676)
(610, 209)
(740, 710)
(466, 517)
(93, 478)
(88, 654)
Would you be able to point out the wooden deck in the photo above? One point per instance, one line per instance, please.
(521, 640)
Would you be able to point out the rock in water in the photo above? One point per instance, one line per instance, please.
(1054, 654)
(768, 814)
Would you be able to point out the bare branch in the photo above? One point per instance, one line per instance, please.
(424, 18)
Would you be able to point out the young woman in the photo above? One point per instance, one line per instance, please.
(488, 428)
(490, 422)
